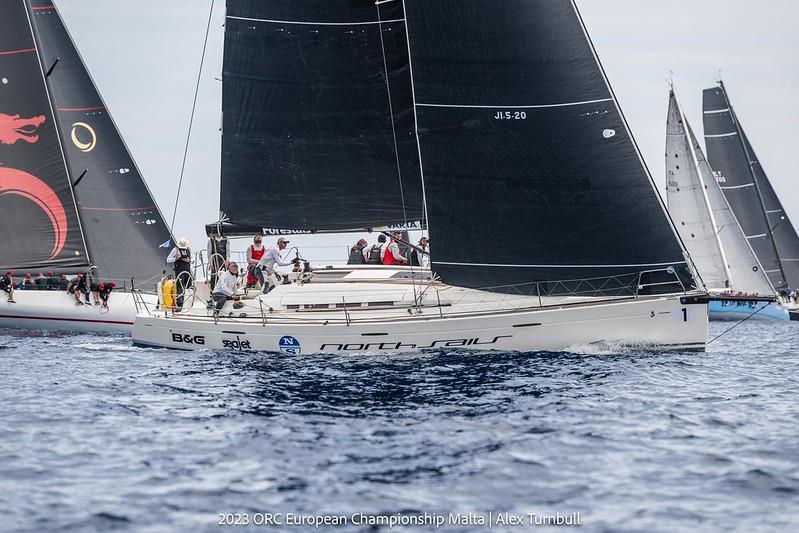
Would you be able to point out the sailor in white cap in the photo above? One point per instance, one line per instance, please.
(269, 261)
(180, 259)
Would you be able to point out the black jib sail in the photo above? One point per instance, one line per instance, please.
(40, 225)
(530, 171)
(318, 131)
(748, 190)
(121, 222)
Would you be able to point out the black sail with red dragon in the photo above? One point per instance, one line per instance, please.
(40, 225)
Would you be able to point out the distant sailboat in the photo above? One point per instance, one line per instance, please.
(491, 125)
(749, 192)
(71, 196)
(710, 231)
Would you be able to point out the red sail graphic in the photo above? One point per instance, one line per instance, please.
(20, 183)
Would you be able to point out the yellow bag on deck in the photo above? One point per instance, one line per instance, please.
(170, 294)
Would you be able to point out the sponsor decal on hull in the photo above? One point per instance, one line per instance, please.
(188, 339)
(395, 346)
(289, 345)
(237, 344)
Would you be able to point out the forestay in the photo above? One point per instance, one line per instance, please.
(318, 130)
(529, 168)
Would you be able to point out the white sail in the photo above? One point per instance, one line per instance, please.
(688, 203)
(707, 225)
(746, 273)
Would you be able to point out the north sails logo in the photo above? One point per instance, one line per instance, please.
(399, 346)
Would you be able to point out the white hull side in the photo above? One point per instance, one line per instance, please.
(656, 322)
(56, 311)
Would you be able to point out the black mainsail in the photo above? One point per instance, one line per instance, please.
(40, 223)
(318, 131)
(121, 221)
(749, 191)
(530, 171)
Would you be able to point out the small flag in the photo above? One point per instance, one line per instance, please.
(166, 244)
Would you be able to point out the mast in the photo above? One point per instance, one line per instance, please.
(750, 164)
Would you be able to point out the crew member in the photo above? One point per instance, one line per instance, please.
(7, 285)
(180, 258)
(227, 282)
(420, 258)
(375, 254)
(357, 254)
(79, 286)
(392, 255)
(104, 292)
(269, 261)
(254, 254)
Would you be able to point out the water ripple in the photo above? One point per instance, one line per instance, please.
(96, 435)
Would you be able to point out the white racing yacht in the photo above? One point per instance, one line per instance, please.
(737, 282)
(490, 126)
(71, 196)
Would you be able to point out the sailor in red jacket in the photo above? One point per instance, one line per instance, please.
(392, 255)
(254, 254)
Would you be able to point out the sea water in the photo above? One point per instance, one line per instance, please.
(96, 435)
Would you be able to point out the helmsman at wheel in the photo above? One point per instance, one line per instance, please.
(269, 261)
(180, 257)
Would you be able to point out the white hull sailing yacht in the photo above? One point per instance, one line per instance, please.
(71, 196)
(748, 190)
(736, 281)
(491, 127)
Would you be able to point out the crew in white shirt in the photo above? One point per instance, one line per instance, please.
(226, 284)
(270, 260)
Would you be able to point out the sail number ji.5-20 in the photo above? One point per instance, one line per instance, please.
(510, 115)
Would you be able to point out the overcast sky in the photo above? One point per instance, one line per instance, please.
(144, 57)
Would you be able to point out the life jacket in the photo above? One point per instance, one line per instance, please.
(375, 256)
(252, 279)
(356, 256)
(388, 257)
(183, 266)
(257, 254)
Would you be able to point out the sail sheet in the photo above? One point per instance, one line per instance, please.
(121, 221)
(748, 191)
(688, 203)
(707, 225)
(40, 224)
(529, 169)
(318, 131)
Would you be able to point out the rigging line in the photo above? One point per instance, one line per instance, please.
(191, 119)
(738, 323)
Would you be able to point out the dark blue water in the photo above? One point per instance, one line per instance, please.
(98, 436)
